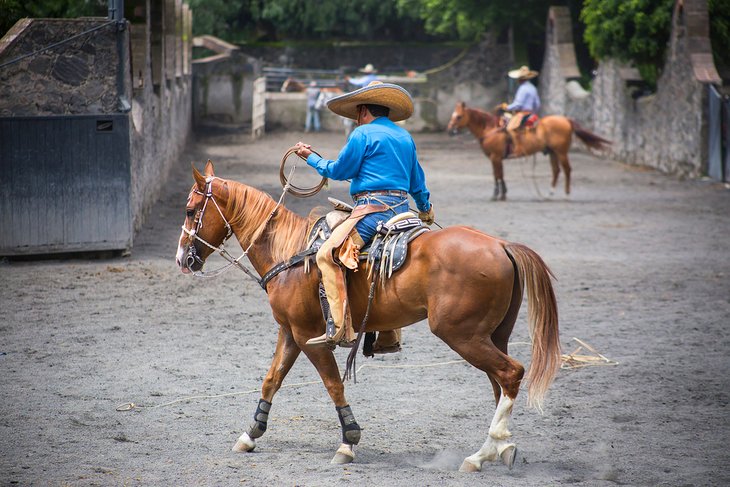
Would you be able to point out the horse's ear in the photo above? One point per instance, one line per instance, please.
(463, 104)
(199, 178)
(208, 171)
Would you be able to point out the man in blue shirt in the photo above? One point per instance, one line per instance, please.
(369, 74)
(380, 160)
(525, 106)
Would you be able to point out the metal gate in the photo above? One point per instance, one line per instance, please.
(258, 115)
(718, 163)
(65, 184)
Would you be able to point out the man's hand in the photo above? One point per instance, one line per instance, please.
(303, 150)
(427, 217)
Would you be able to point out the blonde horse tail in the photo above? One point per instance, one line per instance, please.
(589, 138)
(542, 313)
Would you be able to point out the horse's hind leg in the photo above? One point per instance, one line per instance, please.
(285, 355)
(555, 166)
(505, 374)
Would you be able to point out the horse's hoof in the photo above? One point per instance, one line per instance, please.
(244, 444)
(508, 456)
(344, 455)
(468, 467)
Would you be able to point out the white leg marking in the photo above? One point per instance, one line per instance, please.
(245, 443)
(498, 429)
(496, 442)
(345, 454)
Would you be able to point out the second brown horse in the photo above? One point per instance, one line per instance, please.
(553, 135)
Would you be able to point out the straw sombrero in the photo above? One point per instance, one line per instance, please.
(368, 69)
(523, 73)
(376, 93)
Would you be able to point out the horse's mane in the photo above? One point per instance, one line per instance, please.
(483, 117)
(248, 208)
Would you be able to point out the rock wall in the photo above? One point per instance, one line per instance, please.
(666, 130)
(79, 77)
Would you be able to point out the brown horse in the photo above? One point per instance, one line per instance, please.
(469, 285)
(553, 135)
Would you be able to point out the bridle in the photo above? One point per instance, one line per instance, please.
(192, 256)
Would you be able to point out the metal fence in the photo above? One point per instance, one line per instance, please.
(275, 77)
(65, 184)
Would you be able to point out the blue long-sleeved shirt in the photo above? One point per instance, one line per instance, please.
(378, 156)
(526, 98)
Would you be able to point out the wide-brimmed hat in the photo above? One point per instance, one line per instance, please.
(523, 73)
(368, 69)
(376, 93)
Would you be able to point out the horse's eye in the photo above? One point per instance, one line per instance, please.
(190, 212)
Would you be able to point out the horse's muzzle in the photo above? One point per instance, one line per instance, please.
(191, 262)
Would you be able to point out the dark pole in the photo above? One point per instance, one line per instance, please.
(116, 10)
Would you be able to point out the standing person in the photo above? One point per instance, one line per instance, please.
(380, 160)
(525, 106)
(369, 74)
(312, 122)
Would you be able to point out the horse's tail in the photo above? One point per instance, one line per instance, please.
(542, 313)
(589, 138)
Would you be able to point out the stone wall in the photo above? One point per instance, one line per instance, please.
(666, 130)
(162, 96)
(79, 77)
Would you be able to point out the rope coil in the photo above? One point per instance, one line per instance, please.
(291, 188)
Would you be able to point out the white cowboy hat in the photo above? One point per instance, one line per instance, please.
(368, 69)
(523, 73)
(376, 93)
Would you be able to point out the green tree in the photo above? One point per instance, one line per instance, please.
(632, 31)
(719, 12)
(13, 10)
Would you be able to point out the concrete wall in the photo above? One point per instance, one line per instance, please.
(475, 74)
(666, 130)
(223, 84)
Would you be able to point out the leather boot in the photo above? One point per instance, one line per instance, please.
(387, 342)
(339, 325)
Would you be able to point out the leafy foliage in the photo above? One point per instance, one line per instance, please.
(471, 18)
(719, 12)
(635, 31)
(13, 10)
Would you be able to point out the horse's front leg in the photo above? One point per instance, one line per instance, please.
(285, 355)
(500, 188)
(326, 365)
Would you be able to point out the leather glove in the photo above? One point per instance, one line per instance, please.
(427, 217)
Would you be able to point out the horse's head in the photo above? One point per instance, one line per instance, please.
(459, 118)
(291, 85)
(205, 227)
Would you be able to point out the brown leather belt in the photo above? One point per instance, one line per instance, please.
(381, 192)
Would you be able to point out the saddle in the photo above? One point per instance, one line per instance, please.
(385, 254)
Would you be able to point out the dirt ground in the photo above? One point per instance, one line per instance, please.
(643, 276)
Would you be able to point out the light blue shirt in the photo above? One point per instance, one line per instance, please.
(379, 155)
(526, 99)
(363, 80)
